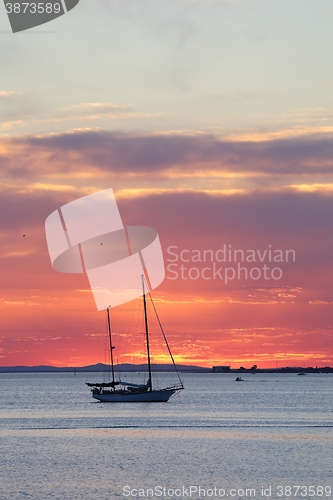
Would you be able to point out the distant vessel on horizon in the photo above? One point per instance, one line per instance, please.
(108, 392)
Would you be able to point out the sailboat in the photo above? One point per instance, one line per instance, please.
(126, 392)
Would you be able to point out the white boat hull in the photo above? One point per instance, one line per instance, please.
(161, 396)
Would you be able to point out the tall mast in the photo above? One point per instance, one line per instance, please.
(111, 346)
(166, 342)
(147, 335)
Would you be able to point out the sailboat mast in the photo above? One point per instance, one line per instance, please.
(166, 342)
(111, 346)
(147, 334)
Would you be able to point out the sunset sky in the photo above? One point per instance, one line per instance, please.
(213, 123)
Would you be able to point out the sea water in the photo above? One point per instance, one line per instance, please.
(270, 436)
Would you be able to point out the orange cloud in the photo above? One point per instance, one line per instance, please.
(248, 199)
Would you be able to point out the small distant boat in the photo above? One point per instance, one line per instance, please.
(301, 373)
(110, 392)
(239, 379)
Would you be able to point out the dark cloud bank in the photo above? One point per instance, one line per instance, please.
(118, 152)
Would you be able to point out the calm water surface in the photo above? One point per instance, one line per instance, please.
(270, 430)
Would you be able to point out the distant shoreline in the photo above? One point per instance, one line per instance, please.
(161, 368)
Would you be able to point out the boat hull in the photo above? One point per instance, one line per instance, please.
(161, 396)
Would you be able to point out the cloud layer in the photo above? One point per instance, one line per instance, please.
(200, 193)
